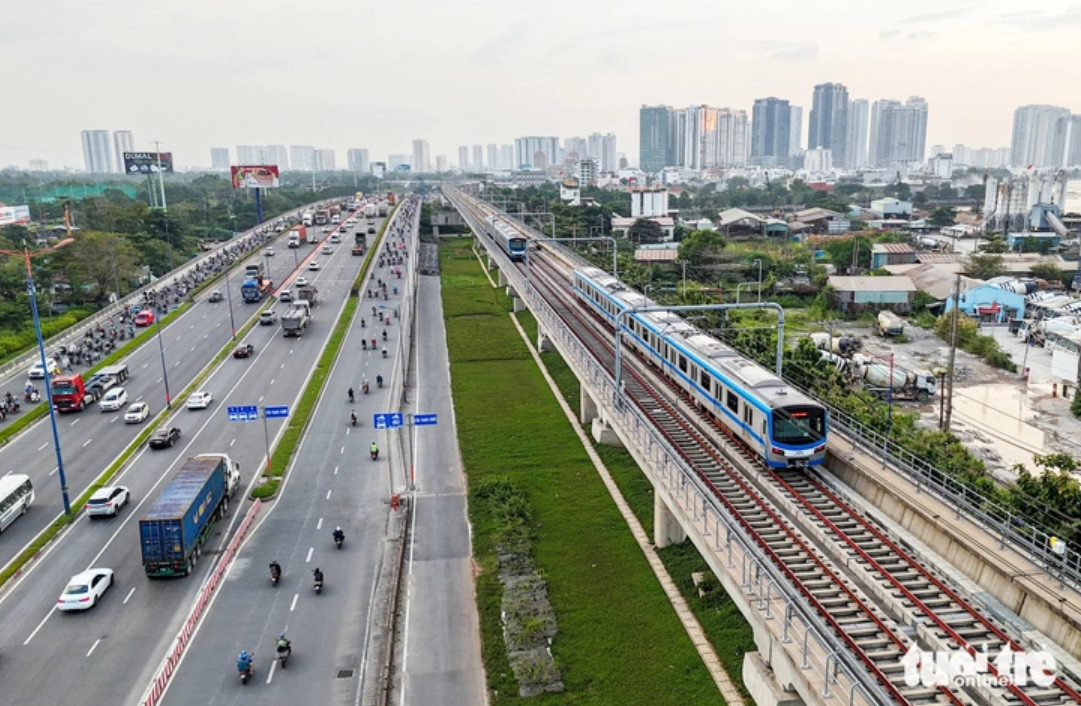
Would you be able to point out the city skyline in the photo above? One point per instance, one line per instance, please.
(931, 49)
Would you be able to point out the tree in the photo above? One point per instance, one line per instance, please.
(840, 251)
(645, 231)
(104, 261)
(985, 266)
(995, 244)
(943, 216)
(975, 191)
(1050, 272)
(701, 247)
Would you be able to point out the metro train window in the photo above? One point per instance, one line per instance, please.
(748, 415)
(705, 378)
(733, 401)
(682, 364)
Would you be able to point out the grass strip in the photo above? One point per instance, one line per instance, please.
(619, 640)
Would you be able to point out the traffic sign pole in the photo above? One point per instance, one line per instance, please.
(266, 435)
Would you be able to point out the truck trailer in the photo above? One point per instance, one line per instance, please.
(298, 235)
(176, 526)
(296, 319)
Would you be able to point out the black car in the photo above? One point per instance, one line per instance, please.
(371, 231)
(244, 351)
(164, 437)
(215, 297)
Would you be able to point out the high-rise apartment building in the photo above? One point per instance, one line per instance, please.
(219, 159)
(397, 160)
(527, 149)
(324, 160)
(576, 148)
(506, 156)
(301, 157)
(795, 137)
(711, 138)
(463, 158)
(478, 158)
(97, 151)
(441, 163)
(898, 132)
(859, 114)
(357, 159)
(277, 154)
(829, 121)
(123, 141)
(421, 161)
(771, 132)
(493, 157)
(261, 154)
(1073, 152)
(39, 165)
(602, 150)
(657, 138)
(1039, 136)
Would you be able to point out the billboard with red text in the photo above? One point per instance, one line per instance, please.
(264, 176)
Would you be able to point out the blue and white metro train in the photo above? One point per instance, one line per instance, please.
(783, 426)
(508, 239)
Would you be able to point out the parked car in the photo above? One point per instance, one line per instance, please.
(199, 400)
(85, 590)
(108, 500)
(243, 351)
(164, 437)
(114, 400)
(215, 297)
(137, 412)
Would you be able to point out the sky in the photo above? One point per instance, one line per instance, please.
(341, 74)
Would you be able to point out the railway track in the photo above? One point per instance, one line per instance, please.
(877, 596)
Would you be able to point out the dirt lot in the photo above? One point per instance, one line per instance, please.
(1001, 417)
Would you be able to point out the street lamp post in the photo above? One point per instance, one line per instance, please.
(759, 261)
(229, 297)
(25, 254)
(684, 264)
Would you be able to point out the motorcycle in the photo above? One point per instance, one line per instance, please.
(375, 454)
(339, 541)
(317, 586)
(353, 419)
(283, 655)
(384, 336)
(246, 674)
(362, 324)
(365, 388)
(379, 381)
(384, 352)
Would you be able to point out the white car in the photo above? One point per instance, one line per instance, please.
(137, 412)
(85, 590)
(108, 500)
(37, 372)
(335, 239)
(114, 399)
(301, 281)
(327, 250)
(313, 265)
(199, 400)
(269, 252)
(285, 296)
(326, 229)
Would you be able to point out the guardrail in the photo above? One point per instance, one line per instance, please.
(806, 638)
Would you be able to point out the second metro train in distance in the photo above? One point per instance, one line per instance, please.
(507, 238)
(783, 426)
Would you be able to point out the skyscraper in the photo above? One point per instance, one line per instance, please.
(397, 160)
(579, 146)
(506, 156)
(421, 160)
(39, 165)
(478, 158)
(97, 151)
(493, 157)
(771, 132)
(711, 138)
(656, 138)
(357, 159)
(795, 138)
(526, 149)
(302, 157)
(463, 158)
(324, 160)
(441, 163)
(602, 150)
(277, 154)
(859, 112)
(1073, 152)
(1039, 136)
(898, 132)
(219, 158)
(124, 141)
(829, 121)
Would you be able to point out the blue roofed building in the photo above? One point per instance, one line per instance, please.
(989, 303)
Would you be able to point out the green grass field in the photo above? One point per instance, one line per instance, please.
(619, 640)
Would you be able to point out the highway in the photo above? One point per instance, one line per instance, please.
(110, 653)
(90, 440)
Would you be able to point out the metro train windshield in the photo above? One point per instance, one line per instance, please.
(799, 426)
(517, 244)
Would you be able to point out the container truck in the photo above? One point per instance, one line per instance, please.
(176, 526)
(370, 210)
(253, 271)
(920, 385)
(322, 217)
(296, 319)
(254, 290)
(298, 235)
(383, 208)
(889, 324)
(308, 219)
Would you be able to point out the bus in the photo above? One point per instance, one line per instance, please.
(16, 496)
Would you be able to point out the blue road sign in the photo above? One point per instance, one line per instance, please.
(243, 413)
(422, 420)
(390, 420)
(276, 412)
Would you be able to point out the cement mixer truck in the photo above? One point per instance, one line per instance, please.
(874, 376)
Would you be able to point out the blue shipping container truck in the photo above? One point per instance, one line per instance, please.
(174, 529)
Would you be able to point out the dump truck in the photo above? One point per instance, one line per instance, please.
(889, 324)
(298, 235)
(874, 376)
(307, 293)
(358, 249)
(296, 319)
(174, 529)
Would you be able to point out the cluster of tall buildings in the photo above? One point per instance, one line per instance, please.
(842, 132)
(302, 158)
(104, 153)
(1045, 136)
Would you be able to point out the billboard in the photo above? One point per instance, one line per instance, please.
(263, 176)
(14, 215)
(147, 162)
(379, 169)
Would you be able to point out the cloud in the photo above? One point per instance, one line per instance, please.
(937, 16)
(501, 47)
(919, 35)
(888, 33)
(798, 53)
(1068, 18)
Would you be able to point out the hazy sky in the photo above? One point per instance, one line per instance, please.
(201, 73)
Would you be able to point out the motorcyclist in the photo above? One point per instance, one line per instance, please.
(384, 351)
(374, 451)
(379, 380)
(353, 418)
(285, 645)
(351, 394)
(362, 324)
(365, 387)
(374, 344)
(317, 575)
(339, 535)
(275, 569)
(244, 662)
(363, 344)
(384, 335)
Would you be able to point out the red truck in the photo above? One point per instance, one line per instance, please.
(298, 235)
(69, 393)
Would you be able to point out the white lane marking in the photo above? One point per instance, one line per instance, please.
(75, 422)
(146, 365)
(94, 647)
(179, 337)
(138, 398)
(193, 348)
(42, 447)
(40, 626)
(336, 468)
(111, 421)
(87, 443)
(343, 450)
(307, 560)
(55, 469)
(283, 365)
(260, 398)
(231, 443)
(293, 605)
(158, 381)
(270, 672)
(272, 380)
(128, 597)
(319, 525)
(328, 495)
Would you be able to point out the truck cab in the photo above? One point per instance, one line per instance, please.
(70, 394)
